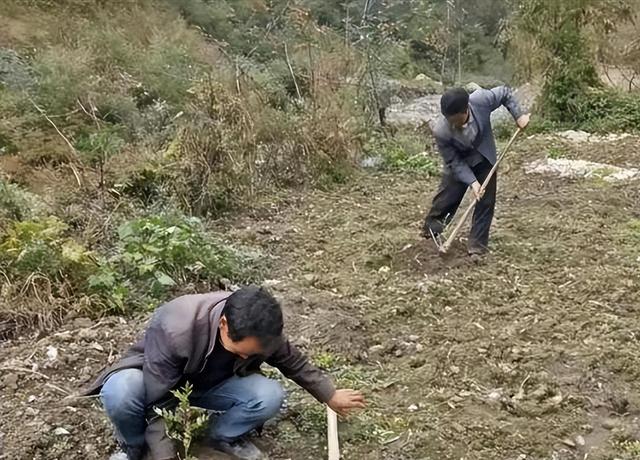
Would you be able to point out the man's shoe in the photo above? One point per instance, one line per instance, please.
(476, 253)
(241, 449)
(432, 226)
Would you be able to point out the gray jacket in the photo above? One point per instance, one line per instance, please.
(177, 343)
(481, 103)
(180, 338)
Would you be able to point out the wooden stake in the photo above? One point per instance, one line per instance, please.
(332, 435)
(447, 244)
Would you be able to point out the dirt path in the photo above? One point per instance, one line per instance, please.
(528, 355)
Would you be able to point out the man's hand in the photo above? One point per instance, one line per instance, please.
(344, 401)
(523, 121)
(477, 190)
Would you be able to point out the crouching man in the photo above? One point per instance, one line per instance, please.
(217, 342)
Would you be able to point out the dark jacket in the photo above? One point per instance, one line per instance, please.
(481, 103)
(181, 336)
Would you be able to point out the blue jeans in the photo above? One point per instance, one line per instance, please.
(247, 403)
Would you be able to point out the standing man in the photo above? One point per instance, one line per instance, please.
(465, 140)
(217, 342)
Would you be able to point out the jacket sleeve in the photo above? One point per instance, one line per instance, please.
(460, 169)
(295, 366)
(162, 367)
(501, 95)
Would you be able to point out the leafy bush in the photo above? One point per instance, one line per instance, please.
(606, 110)
(152, 256)
(63, 76)
(403, 153)
(158, 253)
(40, 253)
(18, 204)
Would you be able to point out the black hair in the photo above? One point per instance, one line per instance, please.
(252, 311)
(454, 101)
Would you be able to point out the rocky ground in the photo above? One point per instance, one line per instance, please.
(530, 354)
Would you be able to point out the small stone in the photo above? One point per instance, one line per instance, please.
(412, 408)
(271, 283)
(610, 423)
(419, 347)
(96, 346)
(375, 349)
(10, 381)
(82, 323)
(309, 277)
(540, 392)
(119, 456)
(457, 427)
(71, 359)
(88, 334)
(414, 338)
(384, 269)
(52, 353)
(454, 370)
(61, 432)
(398, 353)
(569, 442)
(555, 400)
(30, 411)
(580, 441)
(88, 448)
(31, 398)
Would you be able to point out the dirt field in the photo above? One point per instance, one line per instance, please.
(529, 354)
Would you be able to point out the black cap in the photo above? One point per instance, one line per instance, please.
(453, 101)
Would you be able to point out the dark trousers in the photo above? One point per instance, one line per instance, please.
(448, 198)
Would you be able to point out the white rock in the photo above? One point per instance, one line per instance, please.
(564, 167)
(412, 408)
(119, 456)
(52, 353)
(270, 283)
(574, 136)
(96, 346)
(61, 432)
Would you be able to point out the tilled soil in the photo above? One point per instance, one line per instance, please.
(530, 353)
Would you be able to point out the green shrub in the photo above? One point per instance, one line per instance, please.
(18, 204)
(606, 110)
(98, 146)
(63, 76)
(40, 250)
(156, 254)
(152, 256)
(6, 145)
(403, 153)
